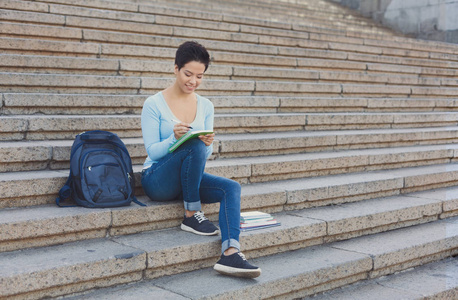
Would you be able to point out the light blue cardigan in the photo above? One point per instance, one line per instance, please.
(157, 125)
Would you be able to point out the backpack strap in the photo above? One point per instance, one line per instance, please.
(65, 193)
(138, 202)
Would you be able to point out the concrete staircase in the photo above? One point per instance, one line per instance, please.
(343, 130)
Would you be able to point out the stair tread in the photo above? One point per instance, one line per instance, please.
(297, 263)
(331, 261)
(436, 279)
(48, 220)
(111, 64)
(267, 159)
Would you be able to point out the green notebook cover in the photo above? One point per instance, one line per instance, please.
(187, 136)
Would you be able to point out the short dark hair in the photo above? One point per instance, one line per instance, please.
(191, 51)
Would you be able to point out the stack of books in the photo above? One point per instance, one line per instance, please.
(256, 220)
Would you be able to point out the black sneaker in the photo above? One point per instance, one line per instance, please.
(199, 224)
(236, 265)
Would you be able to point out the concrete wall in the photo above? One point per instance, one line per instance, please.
(425, 19)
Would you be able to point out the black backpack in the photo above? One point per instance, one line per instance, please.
(101, 172)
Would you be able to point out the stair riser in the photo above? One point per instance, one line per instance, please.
(373, 267)
(158, 69)
(116, 222)
(52, 104)
(230, 149)
(16, 128)
(82, 28)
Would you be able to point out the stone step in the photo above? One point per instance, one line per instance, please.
(99, 30)
(52, 83)
(112, 67)
(436, 280)
(93, 104)
(227, 14)
(295, 142)
(88, 84)
(73, 267)
(49, 127)
(287, 56)
(141, 10)
(288, 11)
(41, 187)
(54, 155)
(308, 271)
(48, 225)
(173, 11)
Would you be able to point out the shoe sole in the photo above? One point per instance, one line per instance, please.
(231, 271)
(190, 229)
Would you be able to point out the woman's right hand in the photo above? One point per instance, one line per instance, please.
(180, 129)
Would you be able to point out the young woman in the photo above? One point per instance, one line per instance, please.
(168, 115)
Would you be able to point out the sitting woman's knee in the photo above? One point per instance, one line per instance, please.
(196, 144)
(234, 187)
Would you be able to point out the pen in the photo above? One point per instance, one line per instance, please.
(176, 121)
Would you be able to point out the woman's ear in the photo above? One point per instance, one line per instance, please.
(176, 70)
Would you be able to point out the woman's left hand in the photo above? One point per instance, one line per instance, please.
(207, 139)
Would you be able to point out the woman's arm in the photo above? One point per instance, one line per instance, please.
(209, 119)
(151, 126)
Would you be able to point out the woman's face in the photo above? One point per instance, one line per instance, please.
(189, 76)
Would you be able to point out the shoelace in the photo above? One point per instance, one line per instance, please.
(241, 255)
(200, 216)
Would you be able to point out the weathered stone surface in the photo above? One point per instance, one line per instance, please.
(273, 32)
(132, 39)
(238, 104)
(26, 6)
(296, 104)
(137, 51)
(41, 18)
(358, 218)
(343, 186)
(431, 91)
(49, 62)
(366, 290)
(24, 152)
(43, 102)
(250, 59)
(312, 53)
(13, 124)
(40, 30)
(143, 290)
(132, 7)
(75, 81)
(394, 68)
(272, 86)
(331, 64)
(73, 263)
(434, 280)
(298, 270)
(254, 21)
(258, 123)
(275, 73)
(32, 45)
(449, 197)
(46, 225)
(355, 48)
(98, 14)
(376, 89)
(407, 247)
(21, 184)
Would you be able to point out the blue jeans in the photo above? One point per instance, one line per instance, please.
(180, 174)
